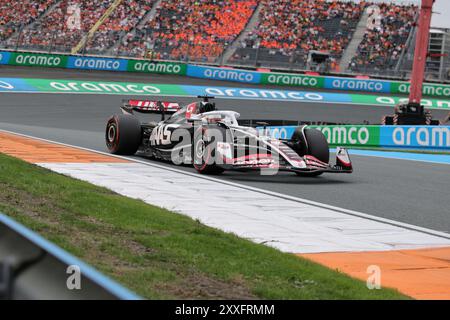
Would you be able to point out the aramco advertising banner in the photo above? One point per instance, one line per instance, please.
(347, 84)
(414, 137)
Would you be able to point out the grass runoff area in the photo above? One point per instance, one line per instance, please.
(157, 253)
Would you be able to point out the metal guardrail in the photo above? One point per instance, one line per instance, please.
(34, 268)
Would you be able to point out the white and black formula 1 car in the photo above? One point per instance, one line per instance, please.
(213, 141)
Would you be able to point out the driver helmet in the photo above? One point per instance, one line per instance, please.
(206, 107)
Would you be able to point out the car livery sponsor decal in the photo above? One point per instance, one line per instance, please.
(161, 135)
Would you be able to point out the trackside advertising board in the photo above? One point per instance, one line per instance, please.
(230, 74)
(236, 75)
(259, 94)
(404, 137)
(90, 63)
(351, 84)
(426, 137)
(345, 84)
(157, 67)
(38, 60)
(298, 80)
(364, 136)
(4, 57)
(368, 136)
(434, 90)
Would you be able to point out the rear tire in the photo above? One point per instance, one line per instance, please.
(123, 134)
(317, 146)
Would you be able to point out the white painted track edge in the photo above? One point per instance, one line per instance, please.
(267, 192)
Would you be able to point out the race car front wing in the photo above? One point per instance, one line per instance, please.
(290, 162)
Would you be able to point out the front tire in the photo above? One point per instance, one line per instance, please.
(205, 151)
(316, 145)
(123, 134)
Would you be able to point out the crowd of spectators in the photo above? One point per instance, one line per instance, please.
(291, 26)
(54, 29)
(202, 30)
(122, 20)
(15, 13)
(385, 39)
(198, 29)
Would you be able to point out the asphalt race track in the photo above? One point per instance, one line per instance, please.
(406, 191)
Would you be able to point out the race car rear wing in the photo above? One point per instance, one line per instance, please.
(149, 106)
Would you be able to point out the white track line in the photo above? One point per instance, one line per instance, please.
(276, 194)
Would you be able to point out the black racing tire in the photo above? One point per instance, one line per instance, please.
(388, 120)
(123, 134)
(317, 146)
(202, 149)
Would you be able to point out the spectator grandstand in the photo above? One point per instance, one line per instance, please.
(291, 28)
(54, 30)
(15, 14)
(384, 42)
(124, 19)
(200, 30)
(284, 32)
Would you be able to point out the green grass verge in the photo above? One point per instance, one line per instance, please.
(157, 253)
